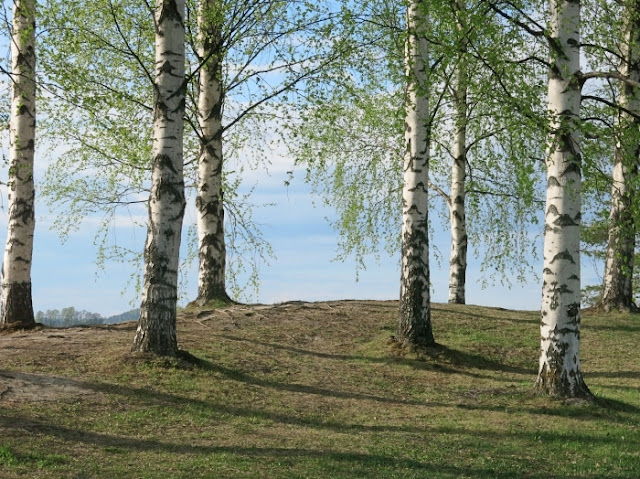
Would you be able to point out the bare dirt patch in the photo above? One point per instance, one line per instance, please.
(45, 348)
(71, 350)
(34, 387)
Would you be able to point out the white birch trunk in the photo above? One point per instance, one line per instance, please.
(617, 290)
(559, 372)
(458, 257)
(414, 327)
(209, 202)
(156, 331)
(17, 308)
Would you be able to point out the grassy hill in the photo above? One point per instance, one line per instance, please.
(301, 390)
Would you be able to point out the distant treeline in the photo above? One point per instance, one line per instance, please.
(72, 317)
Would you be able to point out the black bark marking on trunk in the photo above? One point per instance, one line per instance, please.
(563, 289)
(167, 67)
(16, 241)
(156, 331)
(553, 305)
(18, 308)
(414, 325)
(210, 208)
(419, 186)
(171, 188)
(456, 261)
(575, 83)
(170, 12)
(553, 181)
(564, 220)
(554, 70)
(23, 210)
(414, 210)
(573, 311)
(563, 256)
(554, 381)
(157, 325)
(161, 111)
(574, 165)
(23, 110)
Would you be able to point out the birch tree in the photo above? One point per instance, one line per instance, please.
(156, 332)
(456, 200)
(271, 29)
(559, 370)
(414, 325)
(17, 307)
(459, 238)
(617, 288)
(610, 112)
(209, 203)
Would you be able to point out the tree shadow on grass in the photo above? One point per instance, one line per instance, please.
(438, 358)
(306, 352)
(363, 464)
(603, 409)
(613, 374)
(294, 387)
(467, 360)
(631, 328)
(485, 316)
(600, 409)
(609, 404)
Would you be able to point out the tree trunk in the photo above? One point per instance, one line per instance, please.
(617, 290)
(17, 307)
(559, 372)
(156, 331)
(458, 258)
(212, 251)
(414, 326)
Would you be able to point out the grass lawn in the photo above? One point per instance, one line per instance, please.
(302, 390)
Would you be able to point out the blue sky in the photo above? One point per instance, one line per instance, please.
(65, 274)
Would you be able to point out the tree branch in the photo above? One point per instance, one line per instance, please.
(614, 105)
(583, 77)
(440, 191)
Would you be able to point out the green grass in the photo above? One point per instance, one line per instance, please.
(315, 392)
(9, 459)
